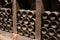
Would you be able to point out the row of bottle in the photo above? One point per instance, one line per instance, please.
(47, 37)
(6, 23)
(26, 27)
(26, 13)
(50, 29)
(52, 16)
(26, 33)
(26, 23)
(51, 24)
(50, 32)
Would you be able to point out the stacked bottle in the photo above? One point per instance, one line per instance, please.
(26, 23)
(6, 23)
(50, 25)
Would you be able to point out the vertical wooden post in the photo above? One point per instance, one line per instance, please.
(14, 16)
(39, 9)
(14, 20)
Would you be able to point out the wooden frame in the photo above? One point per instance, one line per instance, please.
(39, 9)
(14, 16)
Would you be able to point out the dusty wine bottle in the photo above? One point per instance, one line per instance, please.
(58, 18)
(53, 15)
(3, 12)
(30, 28)
(26, 21)
(45, 37)
(24, 27)
(54, 24)
(26, 33)
(30, 14)
(45, 14)
(1, 18)
(6, 29)
(32, 35)
(51, 32)
(20, 20)
(32, 22)
(46, 23)
(8, 12)
(5, 19)
(21, 32)
(44, 30)
(19, 26)
(18, 13)
(1, 23)
(58, 33)
(24, 14)
(53, 38)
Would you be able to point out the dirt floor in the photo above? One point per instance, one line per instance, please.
(4, 38)
(10, 36)
(7, 36)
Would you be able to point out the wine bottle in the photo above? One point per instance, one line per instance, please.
(21, 32)
(53, 15)
(30, 14)
(9, 25)
(4, 24)
(45, 37)
(1, 23)
(20, 20)
(30, 28)
(1, 17)
(19, 26)
(32, 35)
(26, 33)
(24, 14)
(8, 12)
(32, 22)
(51, 32)
(45, 15)
(26, 21)
(6, 28)
(9, 20)
(58, 33)
(10, 29)
(58, 18)
(5, 18)
(53, 38)
(54, 24)
(3, 12)
(2, 28)
(44, 30)
(24, 27)
(19, 13)
(58, 26)
(46, 23)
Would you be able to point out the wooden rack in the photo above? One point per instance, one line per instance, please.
(14, 35)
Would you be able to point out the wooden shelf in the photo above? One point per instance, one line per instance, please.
(39, 9)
